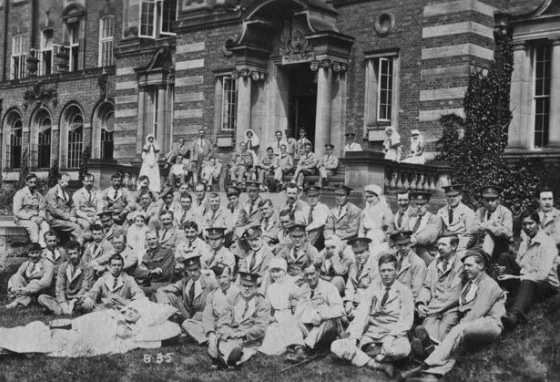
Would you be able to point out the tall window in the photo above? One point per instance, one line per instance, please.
(385, 89)
(75, 138)
(541, 96)
(46, 53)
(157, 17)
(19, 49)
(229, 103)
(74, 39)
(107, 141)
(106, 32)
(44, 143)
(153, 109)
(381, 93)
(15, 127)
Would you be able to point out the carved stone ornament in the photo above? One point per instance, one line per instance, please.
(228, 42)
(40, 94)
(245, 72)
(314, 65)
(292, 43)
(325, 64)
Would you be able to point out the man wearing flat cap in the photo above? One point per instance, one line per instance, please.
(307, 165)
(188, 295)
(218, 254)
(360, 274)
(257, 258)
(496, 223)
(457, 218)
(437, 301)
(344, 218)
(328, 165)
(318, 312)
(350, 144)
(426, 227)
(481, 306)
(318, 213)
(299, 253)
(378, 334)
(240, 327)
(411, 269)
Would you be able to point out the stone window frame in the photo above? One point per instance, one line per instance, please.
(46, 47)
(106, 40)
(70, 112)
(102, 131)
(18, 67)
(541, 102)
(156, 14)
(220, 87)
(39, 130)
(12, 118)
(372, 90)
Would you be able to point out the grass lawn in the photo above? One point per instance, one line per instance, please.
(530, 353)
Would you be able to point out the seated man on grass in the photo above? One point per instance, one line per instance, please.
(32, 278)
(378, 333)
(114, 289)
(73, 281)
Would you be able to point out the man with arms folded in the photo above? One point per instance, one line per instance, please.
(29, 212)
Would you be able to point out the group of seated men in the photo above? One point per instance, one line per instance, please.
(370, 303)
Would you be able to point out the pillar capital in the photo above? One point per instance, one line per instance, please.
(555, 41)
(519, 45)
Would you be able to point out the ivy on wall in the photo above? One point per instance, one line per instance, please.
(476, 157)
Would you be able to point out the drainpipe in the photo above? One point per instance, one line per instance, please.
(5, 47)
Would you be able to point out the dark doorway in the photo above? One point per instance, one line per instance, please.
(303, 101)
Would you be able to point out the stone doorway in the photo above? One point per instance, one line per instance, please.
(303, 101)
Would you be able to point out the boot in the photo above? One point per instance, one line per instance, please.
(412, 372)
(234, 356)
(387, 368)
(12, 305)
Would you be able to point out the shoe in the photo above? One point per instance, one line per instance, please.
(234, 356)
(510, 321)
(299, 355)
(411, 373)
(373, 351)
(418, 349)
(421, 333)
(12, 305)
(385, 367)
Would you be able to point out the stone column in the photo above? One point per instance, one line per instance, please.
(140, 120)
(323, 115)
(162, 135)
(519, 136)
(244, 84)
(554, 121)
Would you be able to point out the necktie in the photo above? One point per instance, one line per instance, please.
(115, 282)
(251, 208)
(450, 215)
(183, 218)
(253, 261)
(399, 220)
(312, 294)
(466, 291)
(231, 208)
(93, 250)
(191, 293)
(246, 308)
(488, 215)
(417, 224)
(163, 235)
(400, 263)
(265, 224)
(310, 218)
(90, 196)
(385, 296)
(444, 265)
(116, 195)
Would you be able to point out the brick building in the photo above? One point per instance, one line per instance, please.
(106, 73)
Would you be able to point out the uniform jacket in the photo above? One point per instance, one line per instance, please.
(320, 213)
(337, 265)
(58, 204)
(215, 313)
(395, 318)
(248, 218)
(296, 259)
(286, 162)
(270, 228)
(359, 280)
(187, 249)
(130, 260)
(551, 224)
(441, 291)
(170, 237)
(262, 256)
(98, 253)
(412, 272)
(250, 317)
(326, 300)
(538, 259)
(353, 147)
(56, 257)
(269, 162)
(117, 200)
(162, 258)
(300, 143)
(204, 286)
(403, 221)
(465, 222)
(86, 202)
(329, 162)
(343, 224)
(308, 161)
(500, 223)
(300, 210)
(27, 204)
(245, 158)
(182, 216)
(38, 276)
(202, 151)
(223, 256)
(73, 283)
(221, 218)
(428, 232)
(484, 298)
(126, 288)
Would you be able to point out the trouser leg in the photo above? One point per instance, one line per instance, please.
(321, 335)
(395, 348)
(50, 303)
(15, 282)
(438, 325)
(346, 349)
(31, 228)
(195, 329)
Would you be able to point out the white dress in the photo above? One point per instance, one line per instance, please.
(150, 167)
(285, 330)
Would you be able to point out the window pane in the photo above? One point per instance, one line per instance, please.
(168, 15)
(229, 103)
(147, 19)
(542, 65)
(385, 89)
(44, 149)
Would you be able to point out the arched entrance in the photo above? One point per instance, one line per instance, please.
(291, 71)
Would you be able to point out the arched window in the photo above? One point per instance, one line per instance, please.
(75, 137)
(107, 141)
(44, 142)
(14, 127)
